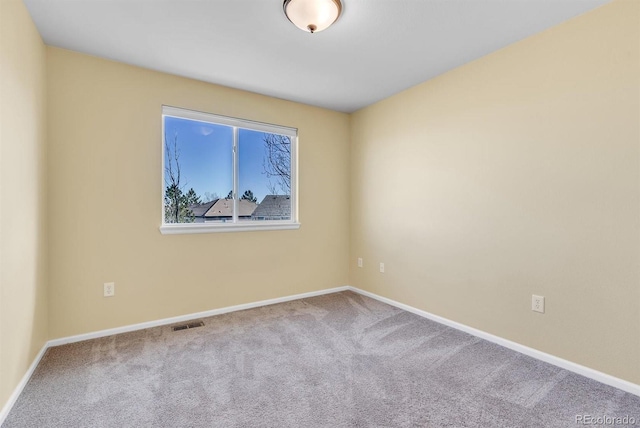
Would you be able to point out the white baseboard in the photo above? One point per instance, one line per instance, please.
(188, 317)
(548, 358)
(23, 382)
(539, 355)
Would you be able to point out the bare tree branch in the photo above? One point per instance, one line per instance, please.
(176, 201)
(277, 162)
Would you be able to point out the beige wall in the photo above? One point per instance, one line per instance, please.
(23, 292)
(104, 210)
(514, 175)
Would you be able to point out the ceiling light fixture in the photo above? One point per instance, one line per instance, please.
(312, 15)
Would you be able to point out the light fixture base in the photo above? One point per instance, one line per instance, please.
(312, 16)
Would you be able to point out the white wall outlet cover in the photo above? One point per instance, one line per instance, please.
(360, 262)
(537, 303)
(109, 289)
(382, 267)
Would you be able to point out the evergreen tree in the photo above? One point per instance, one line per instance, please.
(192, 198)
(248, 195)
(176, 206)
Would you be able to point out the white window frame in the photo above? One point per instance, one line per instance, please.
(234, 225)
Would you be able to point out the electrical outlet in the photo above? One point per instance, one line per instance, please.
(537, 303)
(360, 263)
(381, 267)
(109, 289)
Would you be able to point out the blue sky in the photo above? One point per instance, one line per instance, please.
(206, 157)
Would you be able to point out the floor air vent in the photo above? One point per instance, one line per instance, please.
(187, 326)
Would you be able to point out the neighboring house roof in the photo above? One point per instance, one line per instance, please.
(274, 206)
(224, 208)
(199, 210)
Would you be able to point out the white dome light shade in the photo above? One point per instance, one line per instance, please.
(312, 15)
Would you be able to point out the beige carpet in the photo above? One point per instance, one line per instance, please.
(340, 360)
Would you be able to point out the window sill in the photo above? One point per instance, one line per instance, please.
(179, 229)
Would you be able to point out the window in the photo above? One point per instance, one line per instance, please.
(226, 174)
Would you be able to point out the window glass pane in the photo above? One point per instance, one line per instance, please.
(264, 176)
(198, 173)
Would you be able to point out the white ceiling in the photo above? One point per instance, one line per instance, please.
(376, 48)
